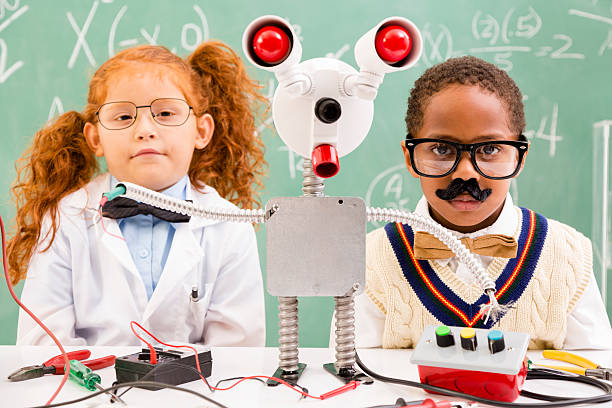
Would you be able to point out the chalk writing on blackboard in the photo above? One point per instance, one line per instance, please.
(57, 108)
(81, 33)
(8, 14)
(551, 136)
(200, 36)
(607, 43)
(485, 26)
(191, 34)
(437, 47)
(388, 190)
(501, 37)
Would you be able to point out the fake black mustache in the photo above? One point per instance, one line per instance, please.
(458, 186)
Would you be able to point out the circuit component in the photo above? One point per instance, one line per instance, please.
(173, 367)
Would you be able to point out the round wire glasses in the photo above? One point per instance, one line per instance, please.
(496, 159)
(123, 114)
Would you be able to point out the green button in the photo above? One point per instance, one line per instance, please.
(442, 331)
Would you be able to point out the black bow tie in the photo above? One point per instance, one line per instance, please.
(122, 207)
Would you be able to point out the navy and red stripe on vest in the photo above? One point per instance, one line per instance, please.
(441, 301)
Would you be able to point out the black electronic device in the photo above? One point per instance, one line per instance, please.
(173, 367)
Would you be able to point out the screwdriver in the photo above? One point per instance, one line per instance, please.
(82, 375)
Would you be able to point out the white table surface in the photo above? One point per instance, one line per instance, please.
(234, 362)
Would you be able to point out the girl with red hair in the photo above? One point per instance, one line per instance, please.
(185, 128)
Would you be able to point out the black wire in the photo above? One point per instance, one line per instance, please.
(544, 374)
(236, 378)
(191, 368)
(134, 384)
(444, 391)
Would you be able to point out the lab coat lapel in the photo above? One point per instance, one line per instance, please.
(107, 229)
(115, 245)
(109, 238)
(185, 253)
(115, 248)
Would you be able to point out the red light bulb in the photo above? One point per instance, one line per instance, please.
(271, 44)
(393, 44)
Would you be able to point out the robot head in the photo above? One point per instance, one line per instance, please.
(323, 107)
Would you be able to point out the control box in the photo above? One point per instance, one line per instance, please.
(481, 362)
(173, 367)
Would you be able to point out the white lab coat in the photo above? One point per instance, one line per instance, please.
(86, 287)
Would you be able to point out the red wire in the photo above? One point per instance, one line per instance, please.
(279, 380)
(102, 202)
(49, 332)
(153, 357)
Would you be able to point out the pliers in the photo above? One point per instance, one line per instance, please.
(55, 365)
(588, 368)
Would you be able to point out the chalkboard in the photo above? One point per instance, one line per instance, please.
(559, 53)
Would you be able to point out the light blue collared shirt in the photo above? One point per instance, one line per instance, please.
(149, 239)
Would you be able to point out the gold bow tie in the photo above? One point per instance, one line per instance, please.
(426, 246)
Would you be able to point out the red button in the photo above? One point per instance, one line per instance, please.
(393, 43)
(271, 44)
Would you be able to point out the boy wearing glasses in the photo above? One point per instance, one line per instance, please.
(465, 122)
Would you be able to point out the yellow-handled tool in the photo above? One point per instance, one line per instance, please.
(585, 366)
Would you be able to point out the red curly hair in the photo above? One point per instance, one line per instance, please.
(59, 161)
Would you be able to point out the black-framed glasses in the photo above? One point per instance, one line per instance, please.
(123, 114)
(496, 159)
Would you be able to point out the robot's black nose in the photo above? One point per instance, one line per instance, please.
(328, 110)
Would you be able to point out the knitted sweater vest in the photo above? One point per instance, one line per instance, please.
(545, 280)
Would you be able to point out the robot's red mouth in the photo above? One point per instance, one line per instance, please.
(325, 161)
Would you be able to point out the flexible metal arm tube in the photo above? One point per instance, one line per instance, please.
(492, 310)
(444, 235)
(144, 195)
(159, 200)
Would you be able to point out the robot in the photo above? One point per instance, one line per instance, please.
(322, 110)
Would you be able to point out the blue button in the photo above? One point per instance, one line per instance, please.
(495, 335)
(144, 252)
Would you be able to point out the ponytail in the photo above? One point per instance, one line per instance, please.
(233, 162)
(57, 163)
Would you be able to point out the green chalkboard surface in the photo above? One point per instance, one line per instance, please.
(559, 53)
